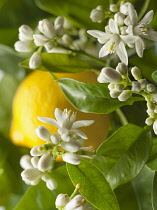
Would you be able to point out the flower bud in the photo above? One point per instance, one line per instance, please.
(101, 78)
(59, 21)
(43, 133)
(66, 137)
(72, 146)
(62, 200)
(51, 184)
(150, 105)
(122, 68)
(71, 158)
(111, 75)
(123, 30)
(35, 61)
(149, 121)
(124, 8)
(114, 93)
(119, 87)
(155, 127)
(111, 86)
(55, 139)
(25, 162)
(25, 33)
(23, 46)
(40, 40)
(119, 18)
(31, 174)
(77, 201)
(97, 15)
(67, 39)
(127, 21)
(113, 8)
(136, 86)
(35, 182)
(59, 30)
(124, 95)
(34, 161)
(45, 162)
(150, 87)
(35, 151)
(47, 28)
(45, 177)
(136, 73)
(48, 46)
(143, 83)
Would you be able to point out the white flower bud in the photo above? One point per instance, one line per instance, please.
(51, 184)
(111, 86)
(71, 158)
(25, 33)
(155, 97)
(67, 39)
(72, 146)
(122, 68)
(149, 121)
(124, 8)
(23, 46)
(119, 87)
(101, 78)
(111, 75)
(36, 152)
(113, 8)
(63, 131)
(62, 200)
(25, 162)
(59, 30)
(35, 182)
(43, 133)
(155, 127)
(123, 30)
(124, 95)
(150, 87)
(35, 61)
(40, 40)
(143, 83)
(31, 174)
(59, 21)
(77, 201)
(136, 73)
(49, 46)
(127, 21)
(136, 86)
(55, 138)
(47, 28)
(34, 161)
(119, 18)
(114, 93)
(45, 177)
(45, 162)
(151, 113)
(66, 137)
(96, 15)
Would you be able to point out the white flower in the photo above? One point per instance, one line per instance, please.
(77, 203)
(140, 30)
(47, 28)
(40, 40)
(62, 200)
(72, 146)
(35, 60)
(65, 121)
(114, 42)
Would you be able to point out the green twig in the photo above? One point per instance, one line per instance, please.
(122, 117)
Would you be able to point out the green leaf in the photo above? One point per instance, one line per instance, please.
(56, 62)
(154, 193)
(77, 11)
(93, 97)
(123, 155)
(95, 188)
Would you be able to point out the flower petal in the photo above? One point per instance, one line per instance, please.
(49, 121)
(113, 27)
(129, 39)
(147, 18)
(132, 14)
(139, 46)
(104, 50)
(58, 115)
(82, 123)
(151, 35)
(80, 133)
(99, 34)
(122, 53)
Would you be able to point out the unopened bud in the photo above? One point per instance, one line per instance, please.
(40, 40)
(45, 162)
(149, 121)
(143, 83)
(67, 39)
(34, 161)
(31, 174)
(59, 21)
(136, 73)
(45, 177)
(47, 28)
(119, 18)
(111, 86)
(113, 8)
(35, 151)
(127, 21)
(119, 87)
(35, 61)
(122, 68)
(155, 127)
(71, 158)
(124, 95)
(124, 8)
(51, 184)
(96, 15)
(72, 146)
(111, 75)
(76, 202)
(150, 87)
(55, 139)
(123, 30)
(43, 133)
(23, 46)
(114, 93)
(25, 162)
(136, 86)
(66, 137)
(25, 33)
(62, 200)
(49, 46)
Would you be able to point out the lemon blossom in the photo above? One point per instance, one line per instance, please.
(113, 40)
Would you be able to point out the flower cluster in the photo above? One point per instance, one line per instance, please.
(125, 30)
(69, 138)
(122, 87)
(49, 34)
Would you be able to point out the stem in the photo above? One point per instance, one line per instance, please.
(122, 117)
(78, 186)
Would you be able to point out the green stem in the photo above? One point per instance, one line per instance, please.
(121, 117)
(78, 186)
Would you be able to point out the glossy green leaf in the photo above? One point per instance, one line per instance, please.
(154, 193)
(152, 162)
(123, 155)
(92, 97)
(56, 62)
(77, 11)
(95, 188)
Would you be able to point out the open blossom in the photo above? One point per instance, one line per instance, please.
(65, 122)
(113, 40)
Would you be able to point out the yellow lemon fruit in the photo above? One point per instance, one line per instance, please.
(39, 95)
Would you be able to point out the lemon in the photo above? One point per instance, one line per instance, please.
(39, 95)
